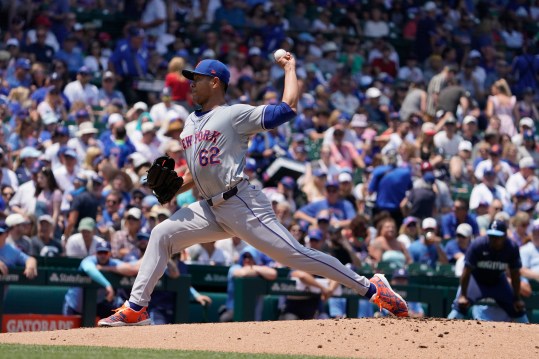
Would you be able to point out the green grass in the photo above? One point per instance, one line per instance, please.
(16, 351)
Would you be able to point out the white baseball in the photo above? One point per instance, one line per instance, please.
(278, 54)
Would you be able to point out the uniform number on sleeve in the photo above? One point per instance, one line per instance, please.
(210, 156)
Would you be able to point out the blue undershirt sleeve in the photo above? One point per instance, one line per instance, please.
(90, 268)
(275, 115)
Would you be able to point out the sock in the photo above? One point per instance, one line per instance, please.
(134, 306)
(371, 291)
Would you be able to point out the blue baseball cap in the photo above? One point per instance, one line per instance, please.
(143, 236)
(429, 177)
(209, 67)
(23, 63)
(316, 234)
(84, 70)
(136, 31)
(103, 247)
(319, 173)
(497, 229)
(298, 137)
(61, 131)
(67, 151)
(323, 217)
(250, 164)
(332, 183)
(82, 113)
(288, 182)
(3, 227)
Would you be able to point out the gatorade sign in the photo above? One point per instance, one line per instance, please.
(12, 323)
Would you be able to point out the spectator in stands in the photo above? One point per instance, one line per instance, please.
(177, 83)
(436, 85)
(390, 184)
(502, 168)
(23, 135)
(65, 173)
(376, 112)
(344, 99)
(21, 76)
(529, 253)
(470, 129)
(48, 195)
(266, 147)
(124, 241)
(129, 61)
(85, 205)
(111, 215)
(524, 181)
(40, 51)
(420, 201)
(249, 265)
(11, 257)
(17, 239)
(409, 231)
(160, 112)
(456, 248)
(526, 107)
(27, 158)
(342, 210)
(43, 243)
(117, 146)
(428, 249)
(460, 166)
(232, 247)
(448, 139)
(24, 200)
(459, 215)
(107, 93)
(525, 68)
(106, 298)
(387, 242)
(209, 254)
(501, 104)
(81, 90)
(84, 243)
(488, 190)
(428, 151)
(520, 228)
(486, 262)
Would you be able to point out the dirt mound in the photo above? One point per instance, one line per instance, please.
(366, 338)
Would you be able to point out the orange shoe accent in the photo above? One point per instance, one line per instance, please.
(387, 298)
(124, 316)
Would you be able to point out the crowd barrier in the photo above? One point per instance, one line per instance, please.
(66, 277)
(426, 285)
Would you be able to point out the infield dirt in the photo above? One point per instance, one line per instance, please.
(364, 338)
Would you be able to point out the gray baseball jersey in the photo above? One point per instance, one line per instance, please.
(215, 145)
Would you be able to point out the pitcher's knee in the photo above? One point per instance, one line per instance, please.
(159, 235)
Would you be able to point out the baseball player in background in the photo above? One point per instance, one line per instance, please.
(487, 261)
(215, 140)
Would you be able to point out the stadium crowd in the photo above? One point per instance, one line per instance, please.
(416, 128)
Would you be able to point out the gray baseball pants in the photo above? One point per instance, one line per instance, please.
(247, 215)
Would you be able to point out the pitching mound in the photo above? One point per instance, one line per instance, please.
(365, 338)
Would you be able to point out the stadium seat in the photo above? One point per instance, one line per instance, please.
(387, 267)
(446, 270)
(420, 268)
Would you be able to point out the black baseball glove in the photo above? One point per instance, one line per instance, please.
(163, 180)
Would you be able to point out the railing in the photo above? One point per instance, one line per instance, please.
(73, 277)
(425, 286)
